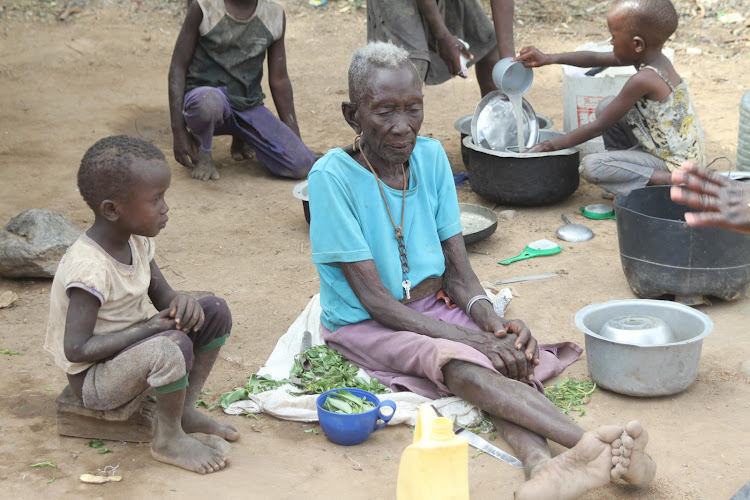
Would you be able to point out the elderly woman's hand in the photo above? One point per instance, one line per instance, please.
(512, 350)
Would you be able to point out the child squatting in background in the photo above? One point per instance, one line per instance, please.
(100, 332)
(215, 88)
(650, 127)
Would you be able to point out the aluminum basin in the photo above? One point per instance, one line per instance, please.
(644, 369)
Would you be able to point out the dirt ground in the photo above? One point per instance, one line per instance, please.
(103, 71)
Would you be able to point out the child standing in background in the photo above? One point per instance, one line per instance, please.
(100, 332)
(650, 127)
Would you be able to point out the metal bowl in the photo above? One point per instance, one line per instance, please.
(493, 123)
(523, 179)
(463, 127)
(478, 222)
(638, 368)
(301, 192)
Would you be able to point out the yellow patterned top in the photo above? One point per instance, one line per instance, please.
(669, 129)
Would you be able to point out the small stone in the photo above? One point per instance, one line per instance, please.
(7, 298)
(693, 51)
(508, 214)
(745, 368)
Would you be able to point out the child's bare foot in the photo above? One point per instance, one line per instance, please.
(586, 466)
(185, 452)
(240, 150)
(204, 168)
(195, 421)
(629, 458)
(215, 442)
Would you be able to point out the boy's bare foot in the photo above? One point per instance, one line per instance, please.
(195, 421)
(629, 458)
(204, 168)
(586, 466)
(187, 453)
(215, 442)
(241, 150)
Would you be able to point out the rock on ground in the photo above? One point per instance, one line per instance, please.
(32, 243)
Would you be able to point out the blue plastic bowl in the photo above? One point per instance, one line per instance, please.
(350, 429)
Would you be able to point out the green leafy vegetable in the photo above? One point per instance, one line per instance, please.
(345, 402)
(105, 450)
(96, 443)
(10, 353)
(314, 432)
(46, 464)
(570, 395)
(327, 370)
(204, 404)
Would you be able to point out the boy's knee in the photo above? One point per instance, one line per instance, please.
(216, 309)
(180, 346)
(208, 106)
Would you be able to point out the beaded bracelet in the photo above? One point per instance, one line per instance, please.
(474, 299)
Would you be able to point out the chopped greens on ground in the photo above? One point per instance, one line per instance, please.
(343, 401)
(571, 394)
(10, 352)
(48, 463)
(324, 369)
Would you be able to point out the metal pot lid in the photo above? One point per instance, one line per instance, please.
(647, 330)
(300, 191)
(493, 125)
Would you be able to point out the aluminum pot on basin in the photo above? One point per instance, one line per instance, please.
(641, 369)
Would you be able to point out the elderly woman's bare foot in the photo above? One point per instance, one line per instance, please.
(195, 421)
(185, 452)
(586, 466)
(630, 461)
(204, 168)
(240, 150)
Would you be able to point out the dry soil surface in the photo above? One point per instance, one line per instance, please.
(103, 71)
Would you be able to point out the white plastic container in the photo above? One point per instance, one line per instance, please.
(743, 139)
(582, 94)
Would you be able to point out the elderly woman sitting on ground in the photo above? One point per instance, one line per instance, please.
(386, 238)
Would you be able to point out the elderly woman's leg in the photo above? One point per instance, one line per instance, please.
(525, 418)
(511, 400)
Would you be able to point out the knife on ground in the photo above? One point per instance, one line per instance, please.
(482, 445)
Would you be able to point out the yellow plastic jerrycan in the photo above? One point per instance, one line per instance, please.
(436, 464)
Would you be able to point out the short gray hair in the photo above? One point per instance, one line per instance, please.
(375, 55)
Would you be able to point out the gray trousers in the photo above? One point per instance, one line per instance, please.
(162, 361)
(623, 166)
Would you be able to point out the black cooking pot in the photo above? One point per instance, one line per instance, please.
(523, 179)
(662, 255)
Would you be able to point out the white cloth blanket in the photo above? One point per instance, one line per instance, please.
(283, 405)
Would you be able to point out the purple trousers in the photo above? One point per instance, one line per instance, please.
(208, 113)
(410, 361)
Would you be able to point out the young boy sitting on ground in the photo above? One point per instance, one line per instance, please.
(650, 127)
(215, 88)
(99, 327)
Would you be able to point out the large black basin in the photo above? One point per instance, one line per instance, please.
(523, 179)
(662, 255)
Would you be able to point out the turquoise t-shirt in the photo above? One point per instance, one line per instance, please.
(350, 223)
